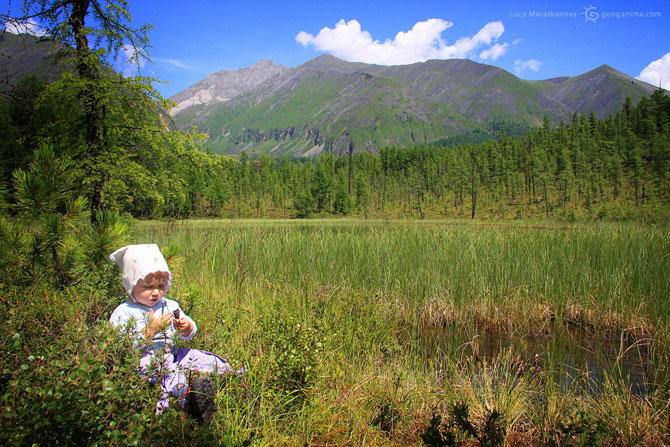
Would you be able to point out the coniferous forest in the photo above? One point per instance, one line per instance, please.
(613, 168)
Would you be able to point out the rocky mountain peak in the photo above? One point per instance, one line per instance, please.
(224, 85)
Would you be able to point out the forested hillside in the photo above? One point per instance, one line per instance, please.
(612, 168)
(616, 167)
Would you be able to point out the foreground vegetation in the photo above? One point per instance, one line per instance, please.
(366, 333)
(355, 332)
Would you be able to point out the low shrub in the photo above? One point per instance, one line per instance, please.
(296, 349)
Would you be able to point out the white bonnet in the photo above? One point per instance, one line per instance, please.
(138, 261)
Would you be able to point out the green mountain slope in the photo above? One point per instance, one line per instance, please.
(601, 90)
(356, 109)
(22, 54)
(478, 91)
(329, 105)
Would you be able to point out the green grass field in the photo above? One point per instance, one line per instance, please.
(359, 332)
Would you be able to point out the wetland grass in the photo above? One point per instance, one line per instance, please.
(560, 329)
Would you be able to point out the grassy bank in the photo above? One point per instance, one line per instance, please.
(358, 333)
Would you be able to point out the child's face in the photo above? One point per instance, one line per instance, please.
(151, 289)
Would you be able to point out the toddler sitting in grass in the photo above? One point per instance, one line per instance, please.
(155, 321)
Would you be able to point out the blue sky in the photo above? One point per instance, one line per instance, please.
(532, 39)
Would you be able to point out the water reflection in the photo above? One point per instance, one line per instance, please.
(577, 361)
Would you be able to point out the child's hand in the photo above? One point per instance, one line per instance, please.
(183, 325)
(157, 324)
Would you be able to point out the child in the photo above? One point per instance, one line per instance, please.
(154, 321)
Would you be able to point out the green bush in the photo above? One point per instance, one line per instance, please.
(66, 380)
(66, 376)
(488, 430)
(296, 351)
(82, 389)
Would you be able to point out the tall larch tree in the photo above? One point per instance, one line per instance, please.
(97, 30)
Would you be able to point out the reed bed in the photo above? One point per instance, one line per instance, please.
(554, 330)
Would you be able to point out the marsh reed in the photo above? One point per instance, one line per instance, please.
(559, 324)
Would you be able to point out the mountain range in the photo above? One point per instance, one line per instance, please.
(328, 105)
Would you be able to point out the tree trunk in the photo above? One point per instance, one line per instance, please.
(474, 203)
(283, 203)
(546, 198)
(351, 168)
(474, 191)
(88, 70)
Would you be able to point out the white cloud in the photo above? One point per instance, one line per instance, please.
(490, 33)
(531, 64)
(495, 51)
(29, 27)
(173, 62)
(128, 61)
(424, 41)
(658, 72)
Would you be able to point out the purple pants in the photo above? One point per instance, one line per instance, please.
(172, 368)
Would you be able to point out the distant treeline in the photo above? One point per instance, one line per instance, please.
(614, 167)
